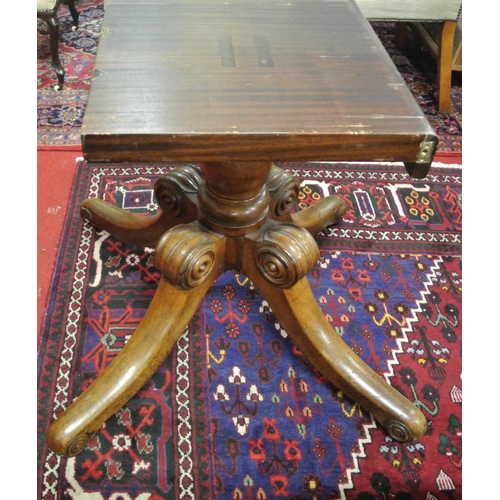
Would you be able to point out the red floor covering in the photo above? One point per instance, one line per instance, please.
(55, 174)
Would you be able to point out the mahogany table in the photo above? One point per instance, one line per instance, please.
(234, 86)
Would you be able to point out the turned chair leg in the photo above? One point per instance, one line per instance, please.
(445, 56)
(74, 13)
(53, 25)
(401, 36)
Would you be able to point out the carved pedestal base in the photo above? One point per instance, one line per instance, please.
(227, 215)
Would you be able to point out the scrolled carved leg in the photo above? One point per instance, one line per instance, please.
(177, 191)
(297, 311)
(284, 190)
(176, 196)
(166, 319)
(186, 255)
(285, 253)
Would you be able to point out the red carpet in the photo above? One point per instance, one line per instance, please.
(449, 158)
(56, 171)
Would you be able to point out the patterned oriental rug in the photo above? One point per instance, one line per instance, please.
(60, 114)
(235, 411)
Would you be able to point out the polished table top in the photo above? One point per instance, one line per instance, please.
(248, 80)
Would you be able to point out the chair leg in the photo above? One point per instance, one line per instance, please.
(445, 57)
(401, 35)
(74, 12)
(53, 25)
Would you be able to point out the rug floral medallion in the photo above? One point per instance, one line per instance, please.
(236, 411)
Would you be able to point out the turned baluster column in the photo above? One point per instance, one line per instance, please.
(234, 198)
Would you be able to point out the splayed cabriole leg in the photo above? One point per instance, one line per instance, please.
(74, 13)
(228, 215)
(190, 259)
(277, 261)
(274, 270)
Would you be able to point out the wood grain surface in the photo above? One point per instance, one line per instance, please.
(247, 80)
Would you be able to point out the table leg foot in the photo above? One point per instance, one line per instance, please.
(417, 170)
(166, 319)
(298, 313)
(323, 213)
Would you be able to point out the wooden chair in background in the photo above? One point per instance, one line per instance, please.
(438, 24)
(47, 11)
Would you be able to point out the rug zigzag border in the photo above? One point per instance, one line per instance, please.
(388, 375)
(367, 439)
(72, 325)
